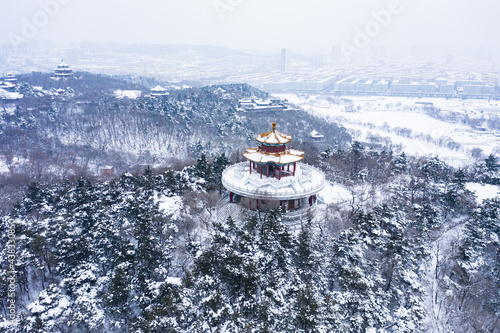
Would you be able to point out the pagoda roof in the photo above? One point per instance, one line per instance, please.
(158, 88)
(273, 137)
(286, 157)
(62, 65)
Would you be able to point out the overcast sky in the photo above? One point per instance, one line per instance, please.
(258, 25)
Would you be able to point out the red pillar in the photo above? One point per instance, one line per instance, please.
(231, 197)
(311, 200)
(257, 204)
(288, 167)
(249, 203)
(250, 167)
(260, 168)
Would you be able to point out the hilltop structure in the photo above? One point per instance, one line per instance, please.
(63, 70)
(159, 91)
(11, 78)
(274, 177)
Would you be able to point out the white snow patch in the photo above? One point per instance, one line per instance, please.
(334, 193)
(170, 206)
(174, 280)
(483, 192)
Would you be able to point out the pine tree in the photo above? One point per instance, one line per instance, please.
(219, 164)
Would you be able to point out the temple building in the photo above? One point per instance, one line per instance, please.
(11, 78)
(274, 176)
(63, 70)
(159, 91)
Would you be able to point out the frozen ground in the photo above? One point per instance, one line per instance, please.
(404, 122)
(334, 193)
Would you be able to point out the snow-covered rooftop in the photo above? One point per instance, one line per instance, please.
(286, 157)
(158, 88)
(274, 137)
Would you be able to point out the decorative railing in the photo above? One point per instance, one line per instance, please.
(304, 177)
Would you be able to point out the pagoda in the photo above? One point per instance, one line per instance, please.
(273, 176)
(63, 70)
(159, 91)
(11, 78)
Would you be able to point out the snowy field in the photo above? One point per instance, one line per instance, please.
(404, 122)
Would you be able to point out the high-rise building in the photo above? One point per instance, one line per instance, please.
(285, 60)
(335, 56)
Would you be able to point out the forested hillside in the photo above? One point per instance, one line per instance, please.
(411, 251)
(51, 135)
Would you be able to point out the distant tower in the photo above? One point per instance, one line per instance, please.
(63, 70)
(335, 56)
(11, 78)
(285, 60)
(273, 177)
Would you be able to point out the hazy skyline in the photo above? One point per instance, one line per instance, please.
(310, 27)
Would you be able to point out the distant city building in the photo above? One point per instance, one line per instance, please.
(396, 87)
(63, 70)
(285, 60)
(317, 61)
(478, 90)
(404, 86)
(301, 84)
(475, 88)
(335, 56)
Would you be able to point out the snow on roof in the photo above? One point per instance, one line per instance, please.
(128, 93)
(286, 157)
(315, 134)
(10, 95)
(62, 65)
(274, 137)
(158, 88)
(6, 84)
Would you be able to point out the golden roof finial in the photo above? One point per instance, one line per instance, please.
(274, 127)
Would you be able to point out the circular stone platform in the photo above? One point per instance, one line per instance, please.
(306, 182)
